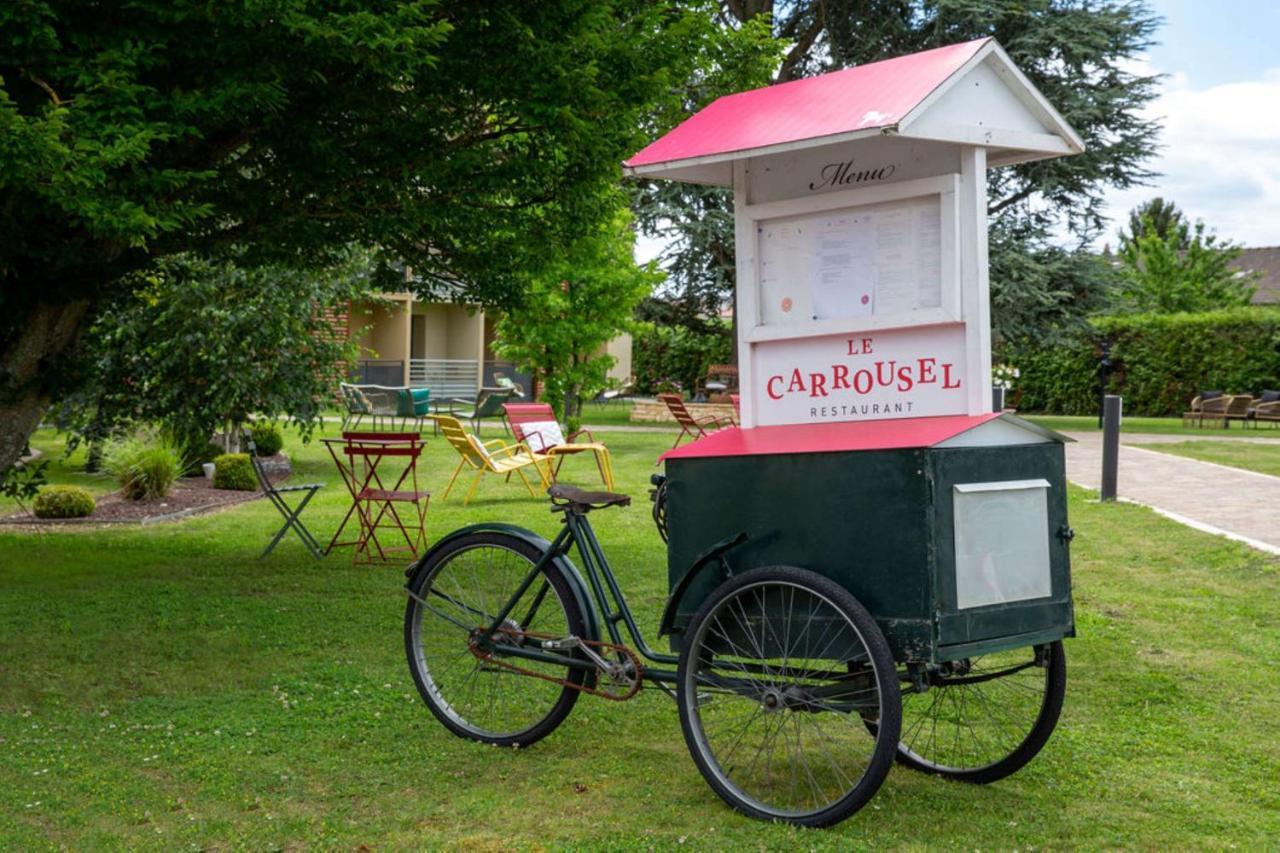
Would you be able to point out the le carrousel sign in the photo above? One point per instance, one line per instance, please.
(871, 375)
(860, 217)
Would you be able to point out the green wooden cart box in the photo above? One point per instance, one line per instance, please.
(952, 531)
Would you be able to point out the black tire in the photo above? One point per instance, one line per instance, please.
(846, 677)
(472, 699)
(993, 727)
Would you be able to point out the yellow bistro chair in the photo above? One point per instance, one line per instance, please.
(490, 457)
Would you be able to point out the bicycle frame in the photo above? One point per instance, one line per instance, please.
(577, 531)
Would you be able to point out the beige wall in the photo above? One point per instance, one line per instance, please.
(433, 320)
(620, 349)
(466, 333)
(384, 329)
(447, 331)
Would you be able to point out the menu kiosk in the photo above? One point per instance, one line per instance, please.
(868, 451)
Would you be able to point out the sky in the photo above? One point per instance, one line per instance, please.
(1219, 107)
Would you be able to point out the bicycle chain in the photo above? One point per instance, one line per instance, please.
(633, 687)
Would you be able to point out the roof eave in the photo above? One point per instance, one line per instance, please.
(657, 170)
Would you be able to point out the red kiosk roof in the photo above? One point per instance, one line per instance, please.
(879, 94)
(895, 434)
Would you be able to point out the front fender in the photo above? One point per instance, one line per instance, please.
(566, 567)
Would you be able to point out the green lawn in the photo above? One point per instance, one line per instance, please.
(63, 468)
(163, 687)
(1162, 426)
(617, 412)
(1263, 458)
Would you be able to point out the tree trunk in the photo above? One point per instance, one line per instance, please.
(27, 360)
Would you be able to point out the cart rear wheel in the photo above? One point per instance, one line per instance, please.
(462, 588)
(779, 670)
(985, 717)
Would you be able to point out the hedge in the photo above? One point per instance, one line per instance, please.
(667, 358)
(267, 438)
(1159, 361)
(234, 471)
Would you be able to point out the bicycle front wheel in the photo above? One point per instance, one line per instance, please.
(463, 588)
(782, 672)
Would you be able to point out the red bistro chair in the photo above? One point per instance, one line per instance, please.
(689, 425)
(360, 457)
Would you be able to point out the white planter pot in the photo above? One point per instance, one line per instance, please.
(208, 470)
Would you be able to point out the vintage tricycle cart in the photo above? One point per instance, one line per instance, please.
(874, 566)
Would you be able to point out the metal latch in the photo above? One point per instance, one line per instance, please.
(1066, 534)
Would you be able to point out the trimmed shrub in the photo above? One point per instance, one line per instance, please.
(1159, 361)
(267, 438)
(234, 471)
(63, 502)
(145, 470)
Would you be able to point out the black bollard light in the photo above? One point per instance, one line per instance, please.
(1112, 406)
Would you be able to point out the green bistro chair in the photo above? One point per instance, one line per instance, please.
(276, 494)
(488, 404)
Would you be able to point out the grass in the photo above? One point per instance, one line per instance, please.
(162, 687)
(64, 469)
(616, 413)
(1159, 426)
(1251, 456)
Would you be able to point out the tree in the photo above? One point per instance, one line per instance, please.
(695, 222)
(574, 307)
(1042, 293)
(1183, 269)
(198, 346)
(468, 139)
(1162, 217)
(1076, 52)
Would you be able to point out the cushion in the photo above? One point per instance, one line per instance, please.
(542, 434)
(1209, 395)
(478, 446)
(421, 400)
(412, 402)
(1269, 396)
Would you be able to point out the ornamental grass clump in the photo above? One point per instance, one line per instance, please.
(267, 438)
(234, 471)
(145, 469)
(63, 502)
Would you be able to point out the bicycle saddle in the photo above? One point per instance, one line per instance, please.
(580, 500)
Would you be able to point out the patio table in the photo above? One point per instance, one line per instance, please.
(358, 456)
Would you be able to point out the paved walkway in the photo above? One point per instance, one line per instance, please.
(1232, 502)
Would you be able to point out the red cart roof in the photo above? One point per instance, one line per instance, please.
(879, 94)
(896, 434)
(880, 97)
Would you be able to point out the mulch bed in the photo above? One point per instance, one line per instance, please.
(190, 496)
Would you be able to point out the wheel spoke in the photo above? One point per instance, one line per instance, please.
(771, 700)
(978, 729)
(464, 591)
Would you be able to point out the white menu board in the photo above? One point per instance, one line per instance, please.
(876, 260)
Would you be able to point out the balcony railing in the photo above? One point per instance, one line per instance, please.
(446, 377)
(379, 371)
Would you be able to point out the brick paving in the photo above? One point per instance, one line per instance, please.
(1239, 504)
